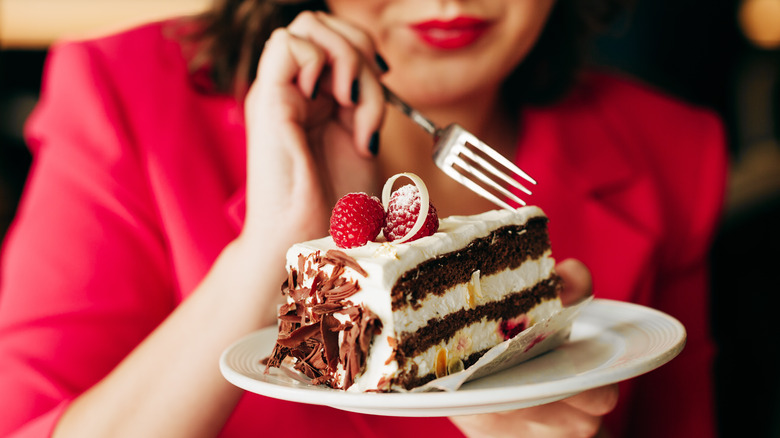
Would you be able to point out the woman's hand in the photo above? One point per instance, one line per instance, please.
(312, 114)
(297, 145)
(576, 416)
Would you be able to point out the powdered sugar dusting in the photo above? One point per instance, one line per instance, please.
(424, 200)
(407, 194)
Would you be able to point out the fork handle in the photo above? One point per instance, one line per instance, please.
(412, 113)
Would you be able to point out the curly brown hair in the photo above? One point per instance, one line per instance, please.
(231, 35)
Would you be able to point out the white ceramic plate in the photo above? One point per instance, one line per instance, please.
(610, 341)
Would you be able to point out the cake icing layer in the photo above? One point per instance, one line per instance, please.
(517, 243)
(510, 307)
(478, 291)
(465, 347)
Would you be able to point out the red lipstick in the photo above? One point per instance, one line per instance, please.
(456, 33)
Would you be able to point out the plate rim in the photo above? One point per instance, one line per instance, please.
(432, 403)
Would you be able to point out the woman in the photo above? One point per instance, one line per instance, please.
(175, 163)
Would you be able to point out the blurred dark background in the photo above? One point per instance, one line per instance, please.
(20, 76)
(721, 54)
(725, 55)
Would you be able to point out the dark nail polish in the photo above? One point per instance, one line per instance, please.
(316, 90)
(373, 144)
(355, 92)
(380, 62)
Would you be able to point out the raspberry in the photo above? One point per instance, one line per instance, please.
(510, 329)
(356, 219)
(402, 212)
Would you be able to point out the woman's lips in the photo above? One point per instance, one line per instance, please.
(451, 34)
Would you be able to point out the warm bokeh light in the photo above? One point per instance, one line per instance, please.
(33, 24)
(760, 22)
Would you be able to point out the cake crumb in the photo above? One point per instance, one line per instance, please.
(387, 249)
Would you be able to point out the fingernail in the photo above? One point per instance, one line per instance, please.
(373, 144)
(316, 90)
(380, 62)
(355, 92)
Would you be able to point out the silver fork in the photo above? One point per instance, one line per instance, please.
(467, 159)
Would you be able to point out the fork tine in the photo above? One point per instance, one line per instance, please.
(452, 141)
(492, 169)
(487, 150)
(478, 189)
(486, 179)
(466, 175)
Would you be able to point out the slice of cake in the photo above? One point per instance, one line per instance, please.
(386, 316)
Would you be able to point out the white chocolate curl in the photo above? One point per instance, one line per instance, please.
(424, 202)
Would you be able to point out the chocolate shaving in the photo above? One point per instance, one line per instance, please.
(357, 341)
(290, 318)
(303, 366)
(324, 379)
(383, 385)
(301, 264)
(299, 295)
(330, 341)
(308, 358)
(325, 308)
(337, 257)
(342, 292)
(277, 356)
(352, 311)
(299, 336)
(315, 360)
(284, 309)
(308, 331)
(291, 282)
(394, 346)
(314, 283)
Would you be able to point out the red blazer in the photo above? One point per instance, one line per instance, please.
(137, 185)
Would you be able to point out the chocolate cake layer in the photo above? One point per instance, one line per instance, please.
(505, 248)
(442, 329)
(410, 379)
